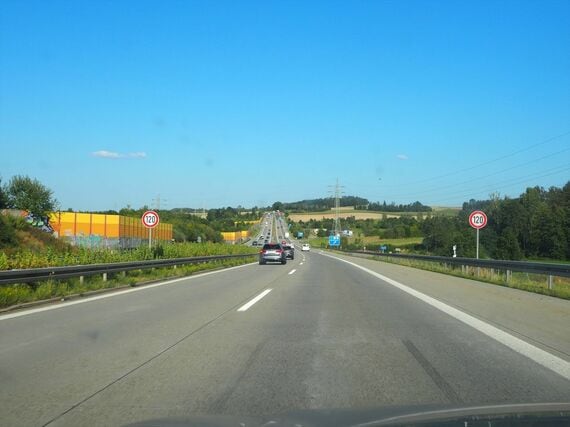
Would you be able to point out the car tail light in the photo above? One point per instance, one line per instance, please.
(279, 251)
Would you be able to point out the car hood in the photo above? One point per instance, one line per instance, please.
(543, 414)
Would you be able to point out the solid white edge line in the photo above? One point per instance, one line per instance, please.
(542, 357)
(25, 312)
(292, 271)
(247, 305)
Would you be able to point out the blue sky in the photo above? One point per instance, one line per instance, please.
(226, 103)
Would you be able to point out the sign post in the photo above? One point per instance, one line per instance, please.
(477, 220)
(150, 219)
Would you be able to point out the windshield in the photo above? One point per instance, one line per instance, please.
(252, 209)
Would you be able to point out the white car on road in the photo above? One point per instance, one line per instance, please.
(306, 247)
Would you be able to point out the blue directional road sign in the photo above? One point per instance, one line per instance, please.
(334, 240)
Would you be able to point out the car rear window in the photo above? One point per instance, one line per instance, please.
(272, 246)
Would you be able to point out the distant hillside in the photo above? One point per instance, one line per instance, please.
(392, 207)
(314, 205)
(358, 203)
(343, 214)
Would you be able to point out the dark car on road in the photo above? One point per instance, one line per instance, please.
(272, 252)
(289, 251)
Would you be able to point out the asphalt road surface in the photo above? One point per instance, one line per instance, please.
(256, 340)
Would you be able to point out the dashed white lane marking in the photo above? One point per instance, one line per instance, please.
(115, 294)
(292, 271)
(247, 305)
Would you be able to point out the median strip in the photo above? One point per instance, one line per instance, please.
(248, 305)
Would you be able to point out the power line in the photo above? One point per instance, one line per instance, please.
(522, 150)
(440, 188)
(520, 181)
(510, 181)
(158, 202)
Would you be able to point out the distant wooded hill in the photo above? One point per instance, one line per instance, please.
(359, 203)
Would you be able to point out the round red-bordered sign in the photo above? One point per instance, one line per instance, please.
(150, 219)
(477, 219)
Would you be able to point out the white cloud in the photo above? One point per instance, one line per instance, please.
(106, 154)
(114, 155)
(137, 155)
(402, 157)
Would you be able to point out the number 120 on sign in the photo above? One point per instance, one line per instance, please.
(477, 219)
(150, 219)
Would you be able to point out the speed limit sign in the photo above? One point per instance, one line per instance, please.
(477, 219)
(150, 219)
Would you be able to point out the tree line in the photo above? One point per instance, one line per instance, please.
(359, 203)
(320, 204)
(392, 207)
(386, 228)
(29, 194)
(534, 225)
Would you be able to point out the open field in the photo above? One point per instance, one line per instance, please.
(347, 213)
(371, 241)
(444, 210)
(374, 240)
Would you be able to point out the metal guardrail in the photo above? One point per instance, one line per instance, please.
(549, 269)
(36, 274)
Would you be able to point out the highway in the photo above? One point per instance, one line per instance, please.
(321, 332)
(272, 230)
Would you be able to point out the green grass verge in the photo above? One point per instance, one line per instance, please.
(317, 242)
(373, 241)
(446, 211)
(11, 295)
(536, 283)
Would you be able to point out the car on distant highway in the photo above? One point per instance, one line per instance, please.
(289, 251)
(272, 252)
(306, 247)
